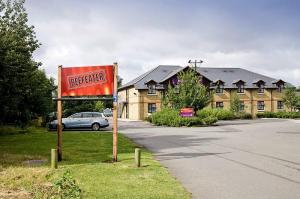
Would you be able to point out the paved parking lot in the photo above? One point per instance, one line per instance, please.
(238, 159)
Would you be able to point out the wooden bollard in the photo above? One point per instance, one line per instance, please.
(137, 157)
(54, 158)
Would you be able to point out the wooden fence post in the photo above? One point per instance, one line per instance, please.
(53, 158)
(137, 157)
(115, 114)
(59, 116)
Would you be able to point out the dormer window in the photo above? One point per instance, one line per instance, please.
(151, 89)
(240, 84)
(240, 87)
(261, 88)
(280, 85)
(280, 88)
(219, 86)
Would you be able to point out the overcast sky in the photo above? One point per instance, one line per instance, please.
(259, 35)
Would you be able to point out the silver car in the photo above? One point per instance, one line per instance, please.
(93, 120)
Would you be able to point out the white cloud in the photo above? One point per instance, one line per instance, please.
(141, 35)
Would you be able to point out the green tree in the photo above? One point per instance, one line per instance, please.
(25, 90)
(188, 93)
(290, 98)
(235, 103)
(71, 107)
(99, 106)
(120, 81)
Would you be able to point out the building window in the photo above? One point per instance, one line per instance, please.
(240, 88)
(151, 89)
(219, 105)
(261, 88)
(151, 107)
(220, 88)
(280, 88)
(242, 106)
(260, 105)
(280, 105)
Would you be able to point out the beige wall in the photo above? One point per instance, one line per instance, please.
(250, 98)
(145, 99)
(138, 101)
(130, 103)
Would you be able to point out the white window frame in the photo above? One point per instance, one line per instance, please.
(242, 104)
(150, 110)
(221, 107)
(240, 86)
(263, 105)
(282, 105)
(152, 89)
(220, 89)
(261, 89)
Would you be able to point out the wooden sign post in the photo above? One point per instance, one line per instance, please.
(59, 116)
(87, 81)
(115, 114)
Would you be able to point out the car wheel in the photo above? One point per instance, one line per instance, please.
(96, 127)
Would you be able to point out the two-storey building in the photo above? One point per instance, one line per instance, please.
(258, 93)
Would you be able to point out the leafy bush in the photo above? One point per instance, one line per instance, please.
(170, 117)
(166, 116)
(190, 121)
(281, 114)
(220, 114)
(149, 119)
(67, 187)
(244, 115)
(209, 120)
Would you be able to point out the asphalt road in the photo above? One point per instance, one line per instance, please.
(257, 159)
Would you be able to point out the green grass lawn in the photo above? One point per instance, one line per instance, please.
(87, 156)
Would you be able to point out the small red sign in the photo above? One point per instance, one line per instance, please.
(187, 112)
(87, 80)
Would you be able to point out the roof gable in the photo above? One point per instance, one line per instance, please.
(156, 75)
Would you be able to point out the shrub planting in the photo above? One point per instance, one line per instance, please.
(220, 114)
(171, 117)
(281, 114)
(244, 115)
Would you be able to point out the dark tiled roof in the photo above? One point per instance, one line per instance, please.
(227, 75)
(232, 75)
(157, 74)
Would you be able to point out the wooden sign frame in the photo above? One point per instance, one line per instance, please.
(115, 113)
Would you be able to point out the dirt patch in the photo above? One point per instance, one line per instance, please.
(14, 194)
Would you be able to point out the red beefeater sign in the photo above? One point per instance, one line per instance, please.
(87, 80)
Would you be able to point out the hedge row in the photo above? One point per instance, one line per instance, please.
(281, 114)
(170, 117)
(222, 114)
